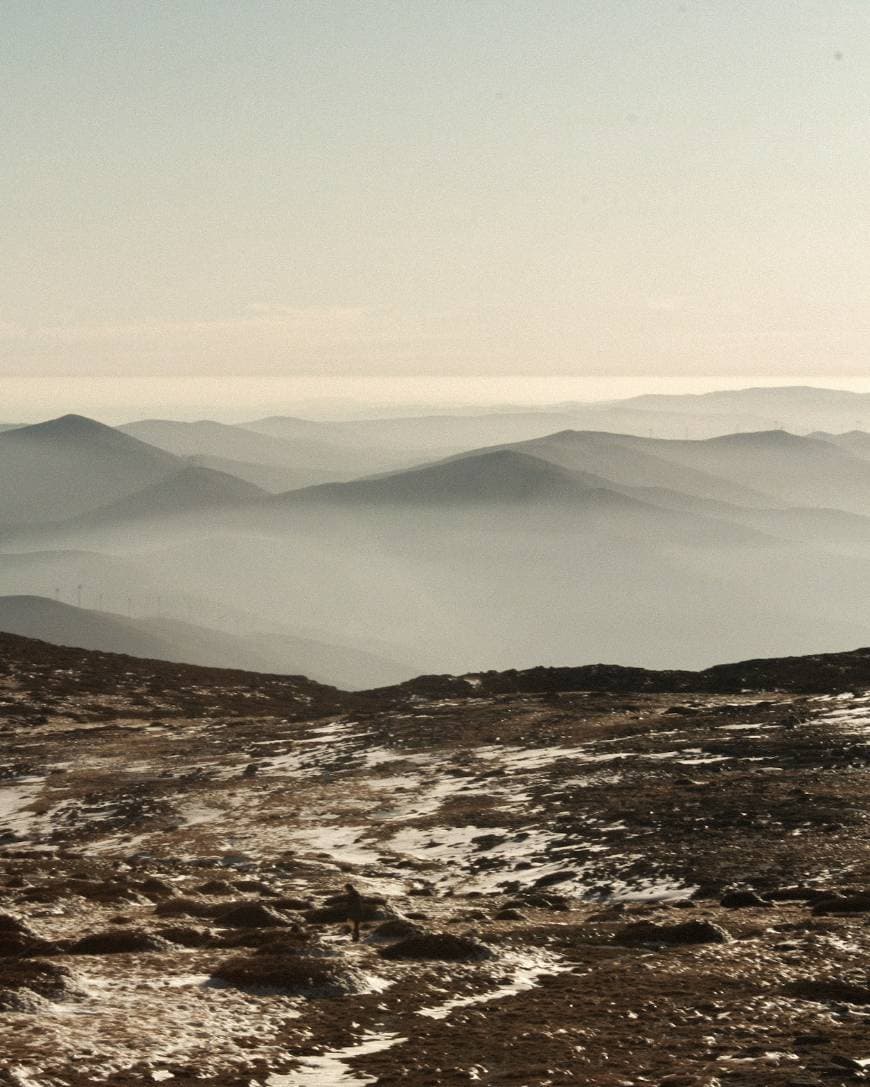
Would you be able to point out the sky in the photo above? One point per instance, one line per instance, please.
(334, 192)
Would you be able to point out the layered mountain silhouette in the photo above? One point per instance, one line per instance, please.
(568, 543)
(503, 475)
(58, 469)
(856, 442)
(419, 436)
(794, 407)
(274, 478)
(771, 468)
(310, 452)
(190, 491)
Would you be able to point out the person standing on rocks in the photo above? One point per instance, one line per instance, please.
(354, 909)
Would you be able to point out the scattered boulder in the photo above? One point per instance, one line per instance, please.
(799, 894)
(10, 923)
(849, 903)
(827, 990)
(389, 931)
(18, 938)
(510, 914)
(539, 900)
(743, 899)
(263, 940)
(186, 935)
(256, 885)
(155, 888)
(96, 890)
(215, 887)
(487, 841)
(552, 878)
(471, 915)
(444, 946)
(183, 906)
(45, 979)
(687, 932)
(336, 912)
(118, 941)
(250, 915)
(293, 974)
(288, 902)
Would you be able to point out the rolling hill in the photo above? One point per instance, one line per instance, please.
(499, 476)
(856, 442)
(311, 454)
(761, 469)
(189, 492)
(172, 640)
(64, 467)
(794, 407)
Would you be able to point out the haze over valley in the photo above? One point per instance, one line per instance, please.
(363, 552)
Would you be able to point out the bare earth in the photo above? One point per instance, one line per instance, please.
(142, 804)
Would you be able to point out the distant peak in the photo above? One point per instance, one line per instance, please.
(759, 437)
(70, 424)
(74, 422)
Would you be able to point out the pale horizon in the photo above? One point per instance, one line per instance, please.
(338, 191)
(235, 399)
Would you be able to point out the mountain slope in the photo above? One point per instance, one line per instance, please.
(759, 469)
(794, 470)
(275, 478)
(63, 624)
(856, 442)
(209, 438)
(66, 466)
(312, 457)
(498, 476)
(171, 640)
(625, 460)
(191, 491)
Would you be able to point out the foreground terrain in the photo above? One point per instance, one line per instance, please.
(594, 876)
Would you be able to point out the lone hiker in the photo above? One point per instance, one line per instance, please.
(354, 908)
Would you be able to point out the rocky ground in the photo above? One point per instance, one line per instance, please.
(590, 876)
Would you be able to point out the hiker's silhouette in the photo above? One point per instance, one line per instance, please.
(354, 908)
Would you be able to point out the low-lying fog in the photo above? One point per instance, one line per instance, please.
(560, 546)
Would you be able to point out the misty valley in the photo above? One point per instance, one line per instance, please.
(361, 553)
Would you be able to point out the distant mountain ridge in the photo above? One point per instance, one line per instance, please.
(503, 475)
(581, 542)
(172, 640)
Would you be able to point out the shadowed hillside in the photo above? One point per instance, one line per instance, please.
(64, 467)
(162, 638)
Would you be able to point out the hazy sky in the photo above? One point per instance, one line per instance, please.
(593, 187)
